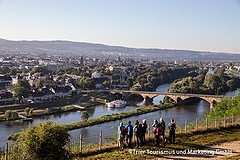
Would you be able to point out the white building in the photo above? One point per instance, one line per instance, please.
(96, 75)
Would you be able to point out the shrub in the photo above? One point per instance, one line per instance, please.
(44, 141)
(28, 111)
(10, 115)
(85, 115)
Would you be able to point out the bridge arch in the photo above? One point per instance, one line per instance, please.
(207, 98)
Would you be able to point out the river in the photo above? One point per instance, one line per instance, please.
(180, 114)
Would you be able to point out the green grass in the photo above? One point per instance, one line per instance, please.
(191, 141)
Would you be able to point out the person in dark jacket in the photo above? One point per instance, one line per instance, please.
(172, 128)
(129, 135)
(162, 126)
(144, 130)
(137, 133)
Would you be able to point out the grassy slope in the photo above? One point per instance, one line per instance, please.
(196, 140)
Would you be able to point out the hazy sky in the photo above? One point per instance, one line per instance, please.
(203, 25)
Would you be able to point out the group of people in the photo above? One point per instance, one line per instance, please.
(125, 133)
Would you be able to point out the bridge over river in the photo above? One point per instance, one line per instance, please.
(177, 97)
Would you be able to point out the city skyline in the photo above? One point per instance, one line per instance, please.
(185, 25)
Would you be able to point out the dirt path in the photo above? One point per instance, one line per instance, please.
(223, 150)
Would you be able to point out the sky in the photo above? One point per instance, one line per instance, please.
(201, 25)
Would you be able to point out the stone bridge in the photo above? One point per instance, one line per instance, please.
(177, 97)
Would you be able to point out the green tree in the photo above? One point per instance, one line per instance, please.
(11, 115)
(148, 87)
(13, 71)
(137, 87)
(212, 81)
(115, 82)
(21, 89)
(129, 82)
(44, 141)
(20, 92)
(5, 69)
(86, 82)
(106, 83)
(24, 83)
(43, 70)
(28, 111)
(231, 84)
(85, 115)
(39, 83)
(219, 71)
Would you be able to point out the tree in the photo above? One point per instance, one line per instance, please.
(219, 71)
(85, 115)
(212, 81)
(5, 69)
(44, 141)
(136, 87)
(106, 83)
(11, 115)
(28, 111)
(86, 82)
(39, 83)
(41, 69)
(13, 71)
(231, 84)
(129, 82)
(148, 87)
(115, 82)
(21, 89)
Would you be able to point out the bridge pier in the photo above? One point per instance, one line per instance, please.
(147, 99)
(211, 105)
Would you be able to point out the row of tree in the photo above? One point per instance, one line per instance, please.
(150, 78)
(227, 107)
(216, 83)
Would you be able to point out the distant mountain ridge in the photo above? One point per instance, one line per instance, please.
(76, 49)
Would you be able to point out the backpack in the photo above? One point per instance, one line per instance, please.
(138, 129)
(124, 131)
(172, 126)
(144, 127)
(162, 125)
(157, 131)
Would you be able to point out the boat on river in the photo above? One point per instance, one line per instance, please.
(116, 104)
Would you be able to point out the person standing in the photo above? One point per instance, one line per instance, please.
(137, 133)
(172, 127)
(156, 132)
(129, 135)
(162, 126)
(121, 136)
(144, 130)
(154, 122)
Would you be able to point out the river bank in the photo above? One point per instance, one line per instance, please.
(93, 99)
(52, 107)
(108, 118)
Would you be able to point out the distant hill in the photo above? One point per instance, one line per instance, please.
(76, 49)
